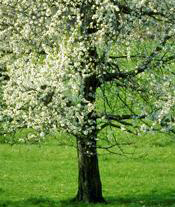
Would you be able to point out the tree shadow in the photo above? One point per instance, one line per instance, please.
(146, 200)
(31, 202)
(150, 200)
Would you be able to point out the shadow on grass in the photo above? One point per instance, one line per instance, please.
(31, 202)
(152, 200)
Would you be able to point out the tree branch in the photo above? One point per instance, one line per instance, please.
(141, 11)
(121, 117)
(110, 124)
(125, 56)
(139, 69)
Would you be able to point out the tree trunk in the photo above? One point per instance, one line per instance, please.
(89, 183)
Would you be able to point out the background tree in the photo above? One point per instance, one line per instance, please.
(64, 57)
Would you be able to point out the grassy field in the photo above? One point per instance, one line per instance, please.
(46, 176)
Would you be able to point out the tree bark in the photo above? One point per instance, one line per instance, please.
(89, 183)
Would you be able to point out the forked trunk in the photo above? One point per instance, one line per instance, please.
(89, 183)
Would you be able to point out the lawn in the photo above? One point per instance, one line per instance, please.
(46, 175)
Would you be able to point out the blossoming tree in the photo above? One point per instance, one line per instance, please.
(61, 57)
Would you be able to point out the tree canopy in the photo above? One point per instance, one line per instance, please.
(46, 47)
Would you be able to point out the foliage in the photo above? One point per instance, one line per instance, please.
(52, 50)
(22, 136)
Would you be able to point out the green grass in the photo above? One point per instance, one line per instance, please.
(46, 176)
